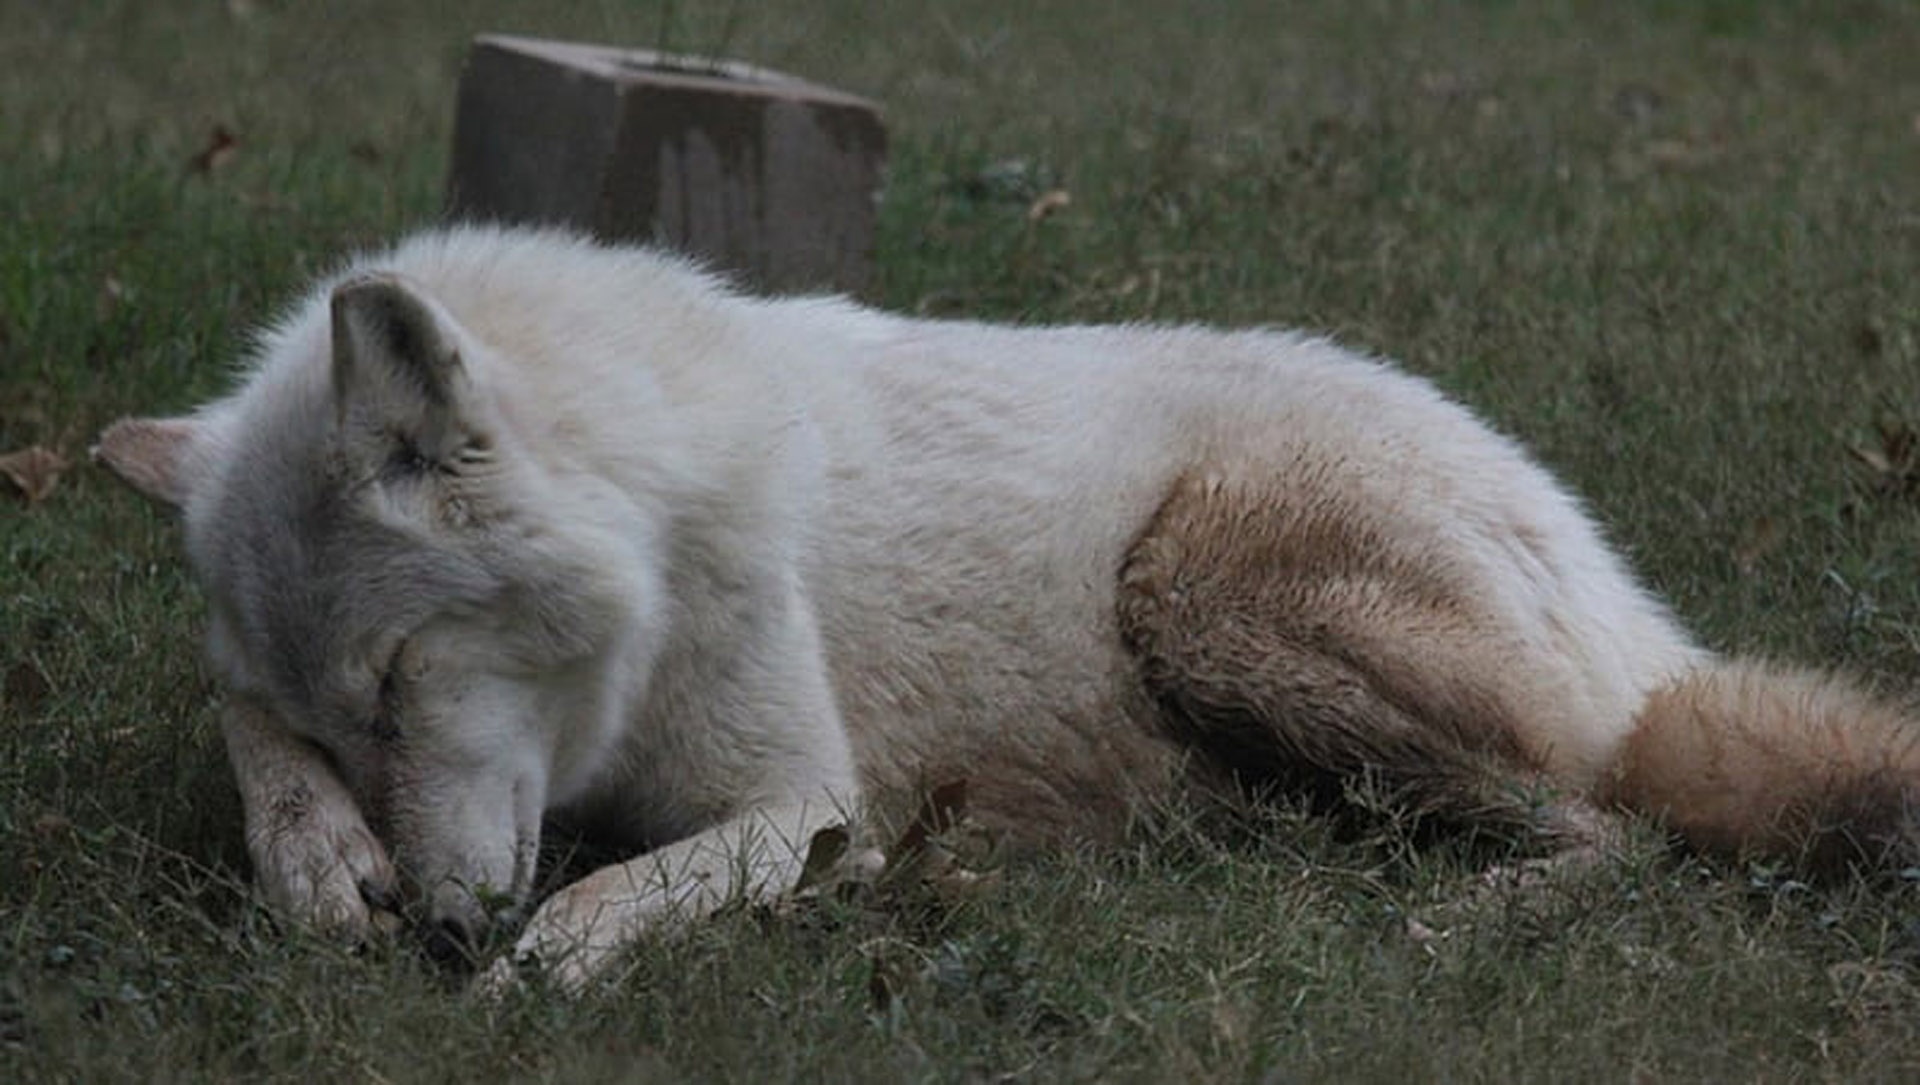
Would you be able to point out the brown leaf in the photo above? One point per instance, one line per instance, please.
(894, 969)
(1874, 459)
(1679, 154)
(113, 294)
(1762, 538)
(943, 851)
(824, 853)
(1868, 340)
(220, 149)
(1442, 84)
(1054, 199)
(954, 881)
(1638, 102)
(33, 471)
(51, 826)
(943, 808)
(1893, 462)
(883, 984)
(24, 687)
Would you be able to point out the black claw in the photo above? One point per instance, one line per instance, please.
(380, 895)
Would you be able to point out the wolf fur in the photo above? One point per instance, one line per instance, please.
(509, 527)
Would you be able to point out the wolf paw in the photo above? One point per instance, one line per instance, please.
(325, 870)
(567, 970)
(557, 951)
(576, 938)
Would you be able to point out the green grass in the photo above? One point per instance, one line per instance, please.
(1674, 246)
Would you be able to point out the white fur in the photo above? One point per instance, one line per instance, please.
(736, 563)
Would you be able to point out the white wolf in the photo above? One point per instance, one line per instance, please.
(507, 526)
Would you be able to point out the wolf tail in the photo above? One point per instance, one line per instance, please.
(1743, 757)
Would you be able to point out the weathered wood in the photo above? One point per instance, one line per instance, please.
(752, 171)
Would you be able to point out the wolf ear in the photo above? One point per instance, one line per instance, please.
(152, 456)
(396, 355)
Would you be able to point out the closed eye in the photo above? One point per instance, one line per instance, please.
(406, 461)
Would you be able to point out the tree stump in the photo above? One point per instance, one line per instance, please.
(753, 172)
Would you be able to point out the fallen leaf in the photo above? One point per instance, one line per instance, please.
(1761, 540)
(941, 858)
(33, 471)
(113, 294)
(1893, 464)
(954, 881)
(1442, 84)
(220, 149)
(1007, 179)
(1868, 340)
(1054, 199)
(943, 850)
(24, 687)
(1679, 153)
(824, 853)
(942, 809)
(1638, 102)
(1868, 989)
(1874, 460)
(884, 983)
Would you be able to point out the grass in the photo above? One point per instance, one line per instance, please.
(1673, 246)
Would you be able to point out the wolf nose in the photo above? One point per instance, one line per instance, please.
(450, 943)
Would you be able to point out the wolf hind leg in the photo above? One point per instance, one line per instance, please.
(1294, 644)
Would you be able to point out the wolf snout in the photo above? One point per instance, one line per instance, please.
(461, 920)
(451, 942)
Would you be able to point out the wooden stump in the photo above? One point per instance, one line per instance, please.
(754, 172)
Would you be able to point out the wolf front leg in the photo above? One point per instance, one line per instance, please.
(579, 932)
(314, 858)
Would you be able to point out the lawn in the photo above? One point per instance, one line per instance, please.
(1673, 246)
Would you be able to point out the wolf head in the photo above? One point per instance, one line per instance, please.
(362, 516)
